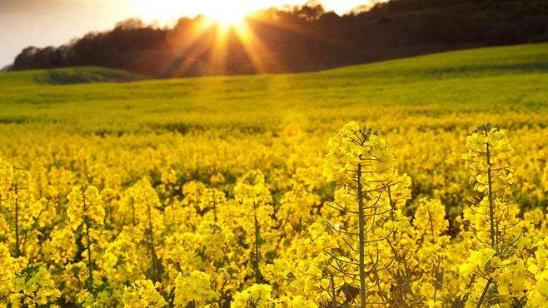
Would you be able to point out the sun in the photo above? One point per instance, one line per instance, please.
(224, 22)
(225, 13)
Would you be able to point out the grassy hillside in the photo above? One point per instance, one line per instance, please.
(509, 80)
(64, 76)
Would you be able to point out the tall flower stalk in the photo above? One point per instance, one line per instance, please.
(361, 164)
(253, 194)
(493, 218)
(85, 213)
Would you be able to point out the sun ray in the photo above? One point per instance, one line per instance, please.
(217, 55)
(262, 58)
(203, 45)
(189, 45)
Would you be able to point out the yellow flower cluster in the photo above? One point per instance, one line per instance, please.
(142, 294)
(193, 289)
(209, 219)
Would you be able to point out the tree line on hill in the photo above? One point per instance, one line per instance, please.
(304, 38)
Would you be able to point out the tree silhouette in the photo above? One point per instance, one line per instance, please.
(304, 38)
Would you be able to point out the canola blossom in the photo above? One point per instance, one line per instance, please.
(371, 219)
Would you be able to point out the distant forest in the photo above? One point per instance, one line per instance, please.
(304, 38)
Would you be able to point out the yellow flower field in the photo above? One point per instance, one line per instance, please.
(139, 195)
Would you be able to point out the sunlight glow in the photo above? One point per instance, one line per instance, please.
(227, 15)
(223, 22)
(168, 11)
(226, 22)
(226, 12)
(260, 55)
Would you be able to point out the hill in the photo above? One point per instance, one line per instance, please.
(305, 38)
(63, 76)
(477, 83)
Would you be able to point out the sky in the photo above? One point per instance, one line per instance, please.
(43, 23)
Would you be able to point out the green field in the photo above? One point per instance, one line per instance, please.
(509, 80)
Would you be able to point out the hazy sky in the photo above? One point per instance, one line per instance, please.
(54, 22)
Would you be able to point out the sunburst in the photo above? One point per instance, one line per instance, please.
(221, 23)
(225, 13)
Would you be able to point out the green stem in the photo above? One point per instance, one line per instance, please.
(86, 223)
(362, 240)
(492, 232)
(484, 293)
(431, 223)
(461, 302)
(17, 249)
(155, 268)
(257, 248)
(333, 290)
(392, 207)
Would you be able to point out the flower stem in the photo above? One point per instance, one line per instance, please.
(492, 232)
(362, 240)
(86, 223)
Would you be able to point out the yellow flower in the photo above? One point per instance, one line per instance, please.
(194, 288)
(143, 293)
(257, 295)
